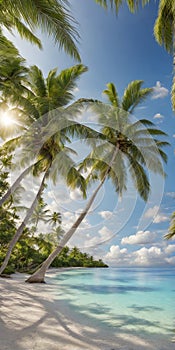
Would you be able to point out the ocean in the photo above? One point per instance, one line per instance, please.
(138, 301)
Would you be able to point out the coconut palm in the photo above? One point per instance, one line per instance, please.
(55, 218)
(51, 16)
(6, 47)
(40, 213)
(164, 31)
(129, 147)
(164, 28)
(39, 96)
(47, 150)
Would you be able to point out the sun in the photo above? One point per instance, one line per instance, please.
(6, 120)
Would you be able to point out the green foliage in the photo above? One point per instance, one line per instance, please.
(171, 231)
(75, 258)
(51, 16)
(115, 5)
(131, 148)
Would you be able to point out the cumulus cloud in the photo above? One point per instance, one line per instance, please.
(141, 237)
(148, 256)
(143, 257)
(103, 235)
(106, 214)
(76, 194)
(170, 249)
(159, 91)
(156, 215)
(151, 212)
(160, 218)
(116, 256)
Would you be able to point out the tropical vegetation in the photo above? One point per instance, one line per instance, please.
(164, 28)
(50, 16)
(45, 117)
(129, 148)
(36, 99)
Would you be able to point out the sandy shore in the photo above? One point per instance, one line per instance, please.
(33, 317)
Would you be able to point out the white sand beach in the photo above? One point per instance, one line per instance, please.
(33, 318)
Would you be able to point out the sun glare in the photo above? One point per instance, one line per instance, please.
(7, 120)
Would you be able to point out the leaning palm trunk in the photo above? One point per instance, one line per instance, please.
(15, 185)
(38, 276)
(22, 226)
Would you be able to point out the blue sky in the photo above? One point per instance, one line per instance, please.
(119, 50)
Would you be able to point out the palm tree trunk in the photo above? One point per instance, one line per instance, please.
(22, 226)
(38, 276)
(15, 185)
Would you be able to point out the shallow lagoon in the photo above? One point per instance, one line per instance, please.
(137, 301)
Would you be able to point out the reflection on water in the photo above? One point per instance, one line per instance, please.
(140, 300)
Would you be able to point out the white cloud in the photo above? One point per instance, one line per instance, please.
(159, 91)
(151, 212)
(160, 218)
(171, 260)
(158, 116)
(170, 249)
(157, 217)
(170, 194)
(76, 195)
(105, 233)
(75, 90)
(140, 237)
(116, 256)
(148, 256)
(144, 257)
(106, 214)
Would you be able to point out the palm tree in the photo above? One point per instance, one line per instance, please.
(40, 213)
(129, 148)
(55, 218)
(50, 155)
(33, 95)
(164, 31)
(164, 28)
(51, 16)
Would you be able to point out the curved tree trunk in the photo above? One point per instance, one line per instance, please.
(38, 276)
(15, 185)
(22, 226)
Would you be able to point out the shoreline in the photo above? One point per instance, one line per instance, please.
(37, 317)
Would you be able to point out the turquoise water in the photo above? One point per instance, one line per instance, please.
(131, 300)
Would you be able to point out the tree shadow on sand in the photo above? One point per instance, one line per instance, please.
(35, 317)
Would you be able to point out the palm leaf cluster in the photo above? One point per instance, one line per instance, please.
(115, 5)
(51, 16)
(130, 147)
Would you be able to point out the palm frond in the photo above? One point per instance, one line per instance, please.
(134, 95)
(171, 231)
(139, 177)
(163, 29)
(51, 16)
(112, 94)
(115, 5)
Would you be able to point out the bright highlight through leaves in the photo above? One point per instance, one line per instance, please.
(6, 119)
